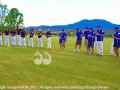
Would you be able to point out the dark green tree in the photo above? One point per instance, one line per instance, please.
(14, 18)
(3, 13)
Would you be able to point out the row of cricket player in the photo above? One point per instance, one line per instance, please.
(89, 34)
(21, 37)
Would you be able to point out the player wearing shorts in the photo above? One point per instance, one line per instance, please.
(79, 39)
(85, 33)
(64, 38)
(91, 39)
(116, 44)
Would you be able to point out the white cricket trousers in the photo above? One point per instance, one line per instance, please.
(99, 47)
(31, 43)
(1, 40)
(14, 40)
(23, 41)
(40, 42)
(19, 40)
(6, 39)
(111, 48)
(48, 42)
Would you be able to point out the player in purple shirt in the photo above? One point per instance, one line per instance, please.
(86, 33)
(116, 44)
(1, 38)
(79, 35)
(7, 33)
(64, 38)
(100, 36)
(13, 36)
(23, 37)
(48, 36)
(91, 40)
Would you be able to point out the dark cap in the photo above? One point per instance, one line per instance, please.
(77, 29)
(116, 28)
(90, 28)
(98, 26)
(86, 28)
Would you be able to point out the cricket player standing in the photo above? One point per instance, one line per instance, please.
(1, 38)
(18, 36)
(100, 37)
(7, 33)
(48, 36)
(13, 37)
(40, 41)
(64, 38)
(31, 34)
(85, 33)
(23, 38)
(91, 40)
(79, 35)
(116, 45)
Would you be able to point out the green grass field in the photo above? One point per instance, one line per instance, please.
(67, 69)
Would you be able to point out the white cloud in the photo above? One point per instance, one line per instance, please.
(10, 3)
(95, 1)
(112, 14)
(56, 4)
(64, 12)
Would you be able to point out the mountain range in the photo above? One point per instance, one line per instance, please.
(106, 25)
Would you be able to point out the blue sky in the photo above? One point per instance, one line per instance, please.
(62, 12)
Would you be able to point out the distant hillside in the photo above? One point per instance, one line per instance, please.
(106, 25)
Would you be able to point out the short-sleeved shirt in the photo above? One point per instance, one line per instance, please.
(86, 34)
(78, 34)
(13, 32)
(100, 38)
(23, 33)
(48, 34)
(117, 35)
(63, 35)
(31, 34)
(91, 39)
(7, 32)
(18, 31)
(39, 34)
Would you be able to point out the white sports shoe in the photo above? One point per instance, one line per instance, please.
(110, 54)
(74, 50)
(79, 50)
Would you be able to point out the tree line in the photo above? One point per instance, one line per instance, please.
(10, 18)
